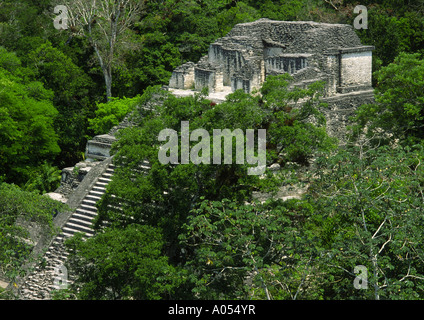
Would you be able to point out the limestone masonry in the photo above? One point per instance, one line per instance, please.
(308, 51)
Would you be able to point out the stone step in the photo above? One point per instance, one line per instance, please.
(101, 184)
(79, 225)
(66, 235)
(50, 269)
(63, 256)
(72, 228)
(99, 188)
(88, 207)
(81, 222)
(103, 180)
(94, 193)
(89, 202)
(38, 287)
(83, 217)
(57, 247)
(71, 233)
(59, 240)
(115, 207)
(88, 213)
(92, 197)
(54, 261)
(107, 175)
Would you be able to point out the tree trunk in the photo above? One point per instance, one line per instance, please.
(107, 74)
(111, 19)
(108, 81)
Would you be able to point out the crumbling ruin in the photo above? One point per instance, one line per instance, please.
(309, 51)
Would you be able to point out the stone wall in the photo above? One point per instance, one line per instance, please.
(355, 69)
(72, 177)
(204, 78)
(288, 63)
(183, 77)
(252, 51)
(341, 108)
(99, 147)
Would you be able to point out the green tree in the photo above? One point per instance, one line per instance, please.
(191, 26)
(45, 178)
(284, 10)
(296, 131)
(122, 264)
(23, 18)
(111, 114)
(19, 210)
(72, 88)
(146, 192)
(106, 25)
(398, 111)
(150, 64)
(249, 251)
(243, 111)
(368, 204)
(392, 34)
(27, 124)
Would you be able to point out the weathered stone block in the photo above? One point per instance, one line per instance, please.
(99, 147)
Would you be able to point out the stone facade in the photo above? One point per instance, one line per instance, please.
(308, 51)
(183, 77)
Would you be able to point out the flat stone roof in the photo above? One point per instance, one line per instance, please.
(216, 97)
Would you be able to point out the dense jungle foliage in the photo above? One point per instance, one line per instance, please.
(196, 231)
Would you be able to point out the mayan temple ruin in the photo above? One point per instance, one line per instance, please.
(308, 51)
(243, 59)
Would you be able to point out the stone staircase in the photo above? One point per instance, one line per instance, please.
(81, 220)
(51, 274)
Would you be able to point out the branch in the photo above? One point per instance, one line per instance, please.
(410, 275)
(331, 3)
(303, 278)
(262, 280)
(375, 233)
(384, 244)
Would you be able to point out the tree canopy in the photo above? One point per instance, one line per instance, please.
(197, 230)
